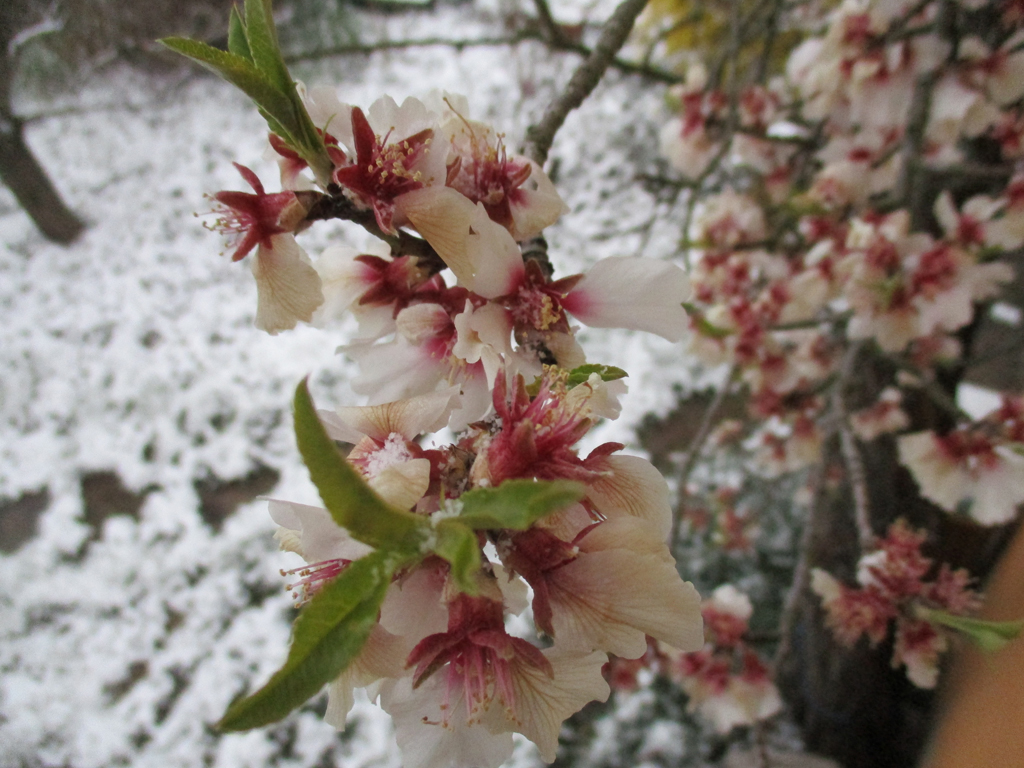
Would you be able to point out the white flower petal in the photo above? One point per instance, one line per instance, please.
(631, 486)
(409, 418)
(543, 703)
(636, 293)
(611, 599)
(425, 742)
(320, 537)
(402, 485)
(287, 286)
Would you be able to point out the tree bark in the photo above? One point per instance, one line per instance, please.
(849, 702)
(19, 169)
(26, 178)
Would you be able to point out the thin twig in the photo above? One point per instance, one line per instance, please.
(540, 136)
(549, 28)
(335, 205)
(693, 450)
(851, 455)
(534, 33)
(801, 575)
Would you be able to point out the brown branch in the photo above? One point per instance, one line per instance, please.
(540, 136)
(335, 205)
(693, 450)
(531, 32)
(549, 27)
(851, 454)
(801, 575)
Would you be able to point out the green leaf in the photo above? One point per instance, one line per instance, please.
(301, 134)
(703, 326)
(457, 543)
(516, 504)
(353, 504)
(240, 72)
(262, 37)
(988, 635)
(579, 375)
(327, 637)
(238, 40)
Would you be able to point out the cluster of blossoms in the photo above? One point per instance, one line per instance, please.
(897, 584)
(726, 681)
(827, 229)
(492, 356)
(426, 167)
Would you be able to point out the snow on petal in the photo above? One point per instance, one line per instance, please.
(403, 484)
(287, 286)
(632, 292)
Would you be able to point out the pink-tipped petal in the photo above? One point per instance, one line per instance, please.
(635, 293)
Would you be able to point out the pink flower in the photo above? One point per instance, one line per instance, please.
(393, 163)
(726, 681)
(966, 466)
(515, 191)
(484, 676)
(881, 418)
(918, 647)
(254, 219)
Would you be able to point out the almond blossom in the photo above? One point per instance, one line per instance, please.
(726, 681)
(892, 589)
(966, 467)
(288, 286)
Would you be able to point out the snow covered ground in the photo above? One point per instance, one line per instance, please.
(134, 352)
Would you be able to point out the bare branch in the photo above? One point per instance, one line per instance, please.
(851, 455)
(693, 450)
(532, 32)
(540, 136)
(552, 34)
(335, 205)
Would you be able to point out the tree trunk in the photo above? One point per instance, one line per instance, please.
(25, 177)
(19, 169)
(849, 702)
